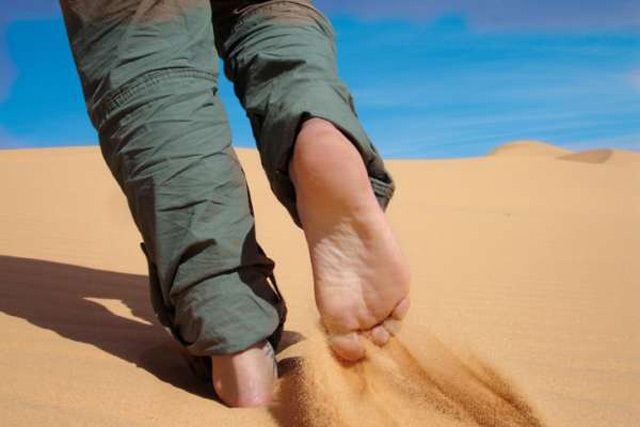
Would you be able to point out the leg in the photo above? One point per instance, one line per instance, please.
(148, 74)
(281, 57)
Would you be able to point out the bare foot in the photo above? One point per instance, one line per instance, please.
(247, 378)
(361, 277)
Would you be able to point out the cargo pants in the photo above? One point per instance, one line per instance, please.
(149, 75)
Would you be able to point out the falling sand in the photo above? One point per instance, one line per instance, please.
(415, 380)
(524, 295)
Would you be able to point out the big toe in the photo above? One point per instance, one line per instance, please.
(401, 309)
(347, 346)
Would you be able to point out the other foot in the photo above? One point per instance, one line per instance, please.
(246, 378)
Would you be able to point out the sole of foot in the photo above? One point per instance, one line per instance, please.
(361, 277)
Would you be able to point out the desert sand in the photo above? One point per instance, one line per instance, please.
(525, 293)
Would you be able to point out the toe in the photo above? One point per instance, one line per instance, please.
(400, 311)
(379, 335)
(347, 346)
(392, 326)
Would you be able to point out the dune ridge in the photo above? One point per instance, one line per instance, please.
(603, 156)
(533, 148)
(529, 148)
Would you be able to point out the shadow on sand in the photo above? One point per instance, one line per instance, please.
(58, 297)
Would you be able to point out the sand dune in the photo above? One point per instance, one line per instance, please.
(529, 148)
(525, 290)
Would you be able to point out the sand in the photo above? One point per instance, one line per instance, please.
(525, 289)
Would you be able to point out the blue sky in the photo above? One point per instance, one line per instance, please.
(430, 79)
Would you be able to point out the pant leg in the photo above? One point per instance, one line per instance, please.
(148, 72)
(281, 58)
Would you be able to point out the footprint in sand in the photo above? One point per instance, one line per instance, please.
(413, 381)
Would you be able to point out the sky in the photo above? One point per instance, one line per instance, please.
(431, 79)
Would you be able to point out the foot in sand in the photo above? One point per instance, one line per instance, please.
(247, 378)
(361, 277)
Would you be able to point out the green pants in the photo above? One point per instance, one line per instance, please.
(149, 72)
